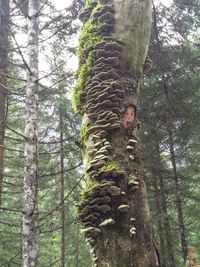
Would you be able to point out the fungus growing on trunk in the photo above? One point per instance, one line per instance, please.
(112, 51)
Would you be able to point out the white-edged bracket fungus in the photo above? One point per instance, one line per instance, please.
(91, 231)
(123, 208)
(107, 222)
(133, 184)
(132, 220)
(132, 231)
(132, 142)
(129, 148)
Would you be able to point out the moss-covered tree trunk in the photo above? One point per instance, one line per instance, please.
(114, 208)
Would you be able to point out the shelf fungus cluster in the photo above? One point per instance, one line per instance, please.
(96, 208)
(106, 96)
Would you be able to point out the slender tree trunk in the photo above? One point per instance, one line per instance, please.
(114, 208)
(166, 244)
(159, 218)
(62, 194)
(77, 246)
(4, 21)
(169, 253)
(30, 172)
(176, 188)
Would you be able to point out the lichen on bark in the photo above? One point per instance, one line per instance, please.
(114, 208)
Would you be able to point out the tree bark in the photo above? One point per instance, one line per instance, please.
(29, 241)
(114, 208)
(4, 22)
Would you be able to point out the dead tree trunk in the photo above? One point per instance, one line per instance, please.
(114, 208)
(29, 241)
(4, 21)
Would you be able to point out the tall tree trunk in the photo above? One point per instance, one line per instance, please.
(169, 253)
(171, 145)
(114, 208)
(159, 220)
(62, 193)
(176, 185)
(166, 244)
(4, 21)
(77, 247)
(29, 241)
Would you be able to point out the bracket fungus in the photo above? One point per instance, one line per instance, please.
(91, 232)
(123, 208)
(107, 222)
(132, 231)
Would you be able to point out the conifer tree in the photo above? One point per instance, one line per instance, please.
(169, 96)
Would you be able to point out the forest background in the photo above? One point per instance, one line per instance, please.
(169, 114)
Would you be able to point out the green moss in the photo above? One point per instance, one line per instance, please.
(89, 37)
(110, 165)
(85, 194)
(88, 191)
(131, 177)
(84, 129)
(89, 188)
(88, 3)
